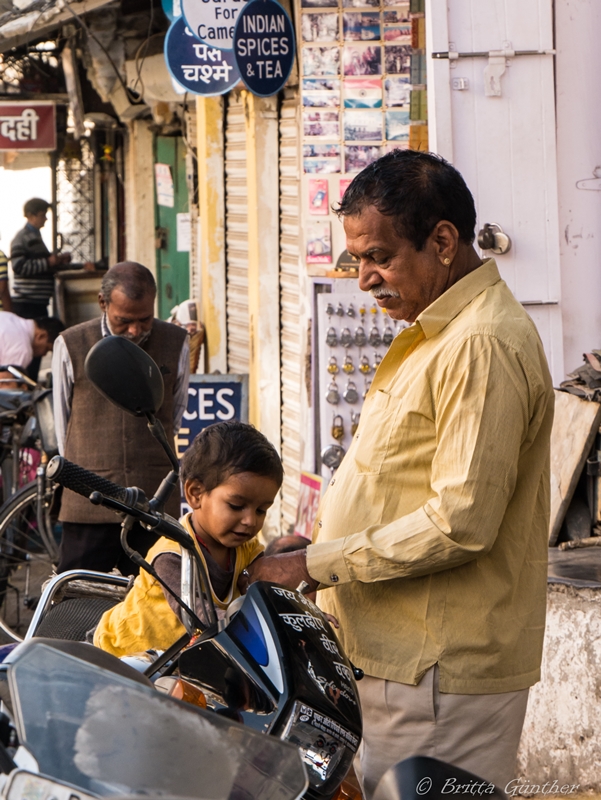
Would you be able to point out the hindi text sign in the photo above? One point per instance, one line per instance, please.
(197, 66)
(27, 126)
(264, 47)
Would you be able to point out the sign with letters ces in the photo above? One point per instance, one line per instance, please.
(27, 125)
(264, 46)
(199, 67)
(211, 398)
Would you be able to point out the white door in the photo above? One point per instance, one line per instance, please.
(494, 119)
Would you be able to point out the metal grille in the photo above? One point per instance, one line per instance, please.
(75, 200)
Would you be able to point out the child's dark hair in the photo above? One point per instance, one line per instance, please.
(228, 448)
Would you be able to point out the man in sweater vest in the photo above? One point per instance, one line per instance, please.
(97, 435)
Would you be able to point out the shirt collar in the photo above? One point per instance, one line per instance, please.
(104, 325)
(31, 227)
(450, 304)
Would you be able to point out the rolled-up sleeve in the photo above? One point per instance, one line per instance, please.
(483, 407)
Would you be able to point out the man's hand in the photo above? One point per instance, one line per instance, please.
(287, 569)
(89, 266)
(58, 261)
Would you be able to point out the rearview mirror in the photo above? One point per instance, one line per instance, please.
(126, 375)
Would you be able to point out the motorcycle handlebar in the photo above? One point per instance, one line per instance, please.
(84, 482)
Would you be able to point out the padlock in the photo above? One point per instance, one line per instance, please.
(346, 338)
(387, 336)
(377, 360)
(354, 422)
(332, 337)
(360, 337)
(350, 311)
(333, 395)
(365, 366)
(373, 310)
(338, 427)
(375, 339)
(332, 455)
(348, 365)
(366, 389)
(340, 310)
(333, 368)
(362, 311)
(351, 395)
(329, 309)
(492, 237)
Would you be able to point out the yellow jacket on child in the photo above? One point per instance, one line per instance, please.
(144, 620)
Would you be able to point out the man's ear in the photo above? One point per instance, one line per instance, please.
(101, 302)
(194, 490)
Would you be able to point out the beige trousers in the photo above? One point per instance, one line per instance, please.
(477, 732)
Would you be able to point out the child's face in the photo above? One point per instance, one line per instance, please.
(234, 512)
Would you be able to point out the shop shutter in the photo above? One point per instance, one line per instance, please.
(291, 318)
(236, 237)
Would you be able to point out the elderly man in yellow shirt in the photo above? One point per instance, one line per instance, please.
(431, 540)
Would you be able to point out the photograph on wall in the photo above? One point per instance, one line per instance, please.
(344, 184)
(320, 122)
(361, 27)
(397, 126)
(318, 197)
(321, 92)
(319, 3)
(319, 242)
(397, 90)
(362, 126)
(319, 27)
(308, 502)
(396, 15)
(403, 5)
(362, 93)
(321, 60)
(357, 157)
(399, 33)
(362, 59)
(360, 3)
(321, 159)
(397, 58)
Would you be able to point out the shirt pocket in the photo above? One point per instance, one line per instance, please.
(375, 431)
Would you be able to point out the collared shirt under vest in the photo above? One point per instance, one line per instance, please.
(106, 440)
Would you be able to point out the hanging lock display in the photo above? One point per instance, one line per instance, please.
(348, 365)
(332, 338)
(346, 337)
(333, 395)
(351, 395)
(337, 427)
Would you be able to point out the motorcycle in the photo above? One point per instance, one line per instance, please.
(273, 664)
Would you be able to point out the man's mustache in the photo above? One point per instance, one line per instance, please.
(378, 292)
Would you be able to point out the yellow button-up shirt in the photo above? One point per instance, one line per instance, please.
(433, 534)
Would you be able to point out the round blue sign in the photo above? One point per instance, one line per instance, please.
(264, 46)
(197, 66)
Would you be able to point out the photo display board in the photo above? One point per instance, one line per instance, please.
(363, 94)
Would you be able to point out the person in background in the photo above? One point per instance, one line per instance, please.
(97, 435)
(21, 340)
(34, 267)
(5, 299)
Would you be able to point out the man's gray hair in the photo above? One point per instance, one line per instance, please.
(133, 279)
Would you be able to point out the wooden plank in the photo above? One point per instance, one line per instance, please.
(574, 427)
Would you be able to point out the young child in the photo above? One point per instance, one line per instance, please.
(231, 475)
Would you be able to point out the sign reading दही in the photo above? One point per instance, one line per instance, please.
(213, 21)
(264, 47)
(198, 67)
(27, 126)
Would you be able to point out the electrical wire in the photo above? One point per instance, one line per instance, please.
(149, 36)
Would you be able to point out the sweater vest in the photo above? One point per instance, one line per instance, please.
(110, 442)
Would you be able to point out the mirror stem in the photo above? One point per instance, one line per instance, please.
(155, 426)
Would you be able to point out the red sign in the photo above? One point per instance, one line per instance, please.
(27, 126)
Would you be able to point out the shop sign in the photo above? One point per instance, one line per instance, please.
(197, 66)
(213, 21)
(211, 399)
(27, 126)
(264, 46)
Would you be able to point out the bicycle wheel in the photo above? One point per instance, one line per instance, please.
(25, 563)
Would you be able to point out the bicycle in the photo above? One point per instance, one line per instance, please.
(28, 540)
